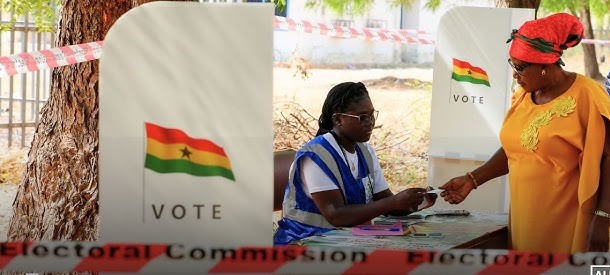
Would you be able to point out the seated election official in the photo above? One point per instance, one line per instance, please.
(335, 179)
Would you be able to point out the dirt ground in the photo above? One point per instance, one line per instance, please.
(7, 194)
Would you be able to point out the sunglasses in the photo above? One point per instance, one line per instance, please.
(364, 119)
(519, 69)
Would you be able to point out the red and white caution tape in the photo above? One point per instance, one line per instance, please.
(56, 57)
(62, 56)
(51, 58)
(49, 256)
(402, 36)
(595, 41)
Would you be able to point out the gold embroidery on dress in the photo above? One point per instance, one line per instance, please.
(562, 108)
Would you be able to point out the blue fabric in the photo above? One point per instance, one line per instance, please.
(290, 230)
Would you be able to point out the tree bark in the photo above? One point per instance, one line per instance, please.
(525, 4)
(58, 197)
(591, 65)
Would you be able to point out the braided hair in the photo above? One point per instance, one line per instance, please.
(337, 100)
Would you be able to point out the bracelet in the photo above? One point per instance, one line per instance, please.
(474, 181)
(602, 213)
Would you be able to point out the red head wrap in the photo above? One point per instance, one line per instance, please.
(543, 40)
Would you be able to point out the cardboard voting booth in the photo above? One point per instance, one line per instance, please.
(186, 134)
(470, 96)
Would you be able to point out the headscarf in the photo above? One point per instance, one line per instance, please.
(543, 40)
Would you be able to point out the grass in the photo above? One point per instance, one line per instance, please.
(12, 165)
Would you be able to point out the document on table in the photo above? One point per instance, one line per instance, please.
(435, 191)
(378, 229)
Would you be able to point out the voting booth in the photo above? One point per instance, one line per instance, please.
(186, 129)
(471, 93)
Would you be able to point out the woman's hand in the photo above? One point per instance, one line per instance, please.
(429, 199)
(598, 234)
(409, 199)
(457, 189)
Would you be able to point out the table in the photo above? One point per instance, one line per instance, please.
(478, 230)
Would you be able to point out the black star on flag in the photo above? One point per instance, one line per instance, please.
(186, 153)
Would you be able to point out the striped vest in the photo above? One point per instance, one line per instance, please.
(302, 218)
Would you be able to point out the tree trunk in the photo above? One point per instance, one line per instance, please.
(58, 197)
(524, 4)
(591, 65)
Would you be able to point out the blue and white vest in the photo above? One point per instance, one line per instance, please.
(302, 218)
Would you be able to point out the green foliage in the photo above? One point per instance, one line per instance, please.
(355, 7)
(44, 13)
(280, 4)
(342, 7)
(433, 4)
(598, 8)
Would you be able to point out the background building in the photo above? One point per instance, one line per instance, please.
(324, 50)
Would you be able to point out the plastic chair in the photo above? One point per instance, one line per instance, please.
(281, 169)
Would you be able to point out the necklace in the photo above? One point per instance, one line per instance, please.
(347, 160)
(350, 164)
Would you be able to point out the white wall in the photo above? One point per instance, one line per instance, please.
(420, 18)
(325, 50)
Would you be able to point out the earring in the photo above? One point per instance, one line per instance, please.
(543, 71)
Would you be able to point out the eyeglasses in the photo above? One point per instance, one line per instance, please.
(519, 69)
(364, 118)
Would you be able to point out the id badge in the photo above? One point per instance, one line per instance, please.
(368, 188)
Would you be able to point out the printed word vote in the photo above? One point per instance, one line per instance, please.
(179, 211)
(468, 99)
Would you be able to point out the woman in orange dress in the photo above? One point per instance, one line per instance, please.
(555, 147)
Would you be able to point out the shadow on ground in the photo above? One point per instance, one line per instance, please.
(391, 82)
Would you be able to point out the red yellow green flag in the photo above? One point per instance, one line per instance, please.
(173, 151)
(463, 71)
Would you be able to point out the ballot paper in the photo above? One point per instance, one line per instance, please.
(435, 191)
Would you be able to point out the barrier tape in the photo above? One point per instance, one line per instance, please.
(595, 41)
(402, 36)
(56, 57)
(50, 256)
(51, 58)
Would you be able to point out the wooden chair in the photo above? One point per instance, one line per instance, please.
(281, 169)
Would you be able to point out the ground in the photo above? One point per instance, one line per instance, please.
(7, 194)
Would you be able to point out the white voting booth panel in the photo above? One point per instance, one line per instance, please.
(470, 96)
(186, 129)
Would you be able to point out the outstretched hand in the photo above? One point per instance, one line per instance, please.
(457, 189)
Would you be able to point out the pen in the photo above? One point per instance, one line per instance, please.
(380, 229)
(412, 228)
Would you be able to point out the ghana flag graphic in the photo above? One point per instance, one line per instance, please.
(173, 151)
(463, 71)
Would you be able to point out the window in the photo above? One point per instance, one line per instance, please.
(344, 23)
(378, 24)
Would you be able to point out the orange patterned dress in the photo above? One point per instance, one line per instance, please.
(554, 152)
